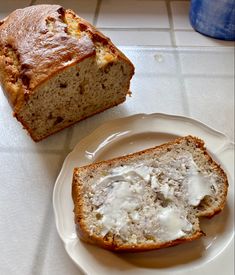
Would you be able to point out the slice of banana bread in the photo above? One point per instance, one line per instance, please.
(150, 199)
(57, 69)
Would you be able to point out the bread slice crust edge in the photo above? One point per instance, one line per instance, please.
(77, 196)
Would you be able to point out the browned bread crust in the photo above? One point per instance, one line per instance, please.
(38, 42)
(80, 188)
(39, 53)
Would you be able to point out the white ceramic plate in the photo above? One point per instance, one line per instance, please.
(212, 254)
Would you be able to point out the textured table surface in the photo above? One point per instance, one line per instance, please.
(178, 72)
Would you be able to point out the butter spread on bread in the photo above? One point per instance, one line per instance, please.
(150, 199)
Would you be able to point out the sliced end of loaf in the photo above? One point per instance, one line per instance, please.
(74, 71)
(75, 93)
(89, 197)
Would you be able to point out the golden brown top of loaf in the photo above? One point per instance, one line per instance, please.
(38, 41)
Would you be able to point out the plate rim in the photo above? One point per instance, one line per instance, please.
(227, 143)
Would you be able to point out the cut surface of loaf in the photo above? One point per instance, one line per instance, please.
(150, 199)
(57, 69)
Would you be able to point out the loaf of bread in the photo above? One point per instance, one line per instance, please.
(150, 199)
(57, 69)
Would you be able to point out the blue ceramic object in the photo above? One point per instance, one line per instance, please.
(215, 18)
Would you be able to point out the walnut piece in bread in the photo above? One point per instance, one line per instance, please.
(150, 199)
(57, 69)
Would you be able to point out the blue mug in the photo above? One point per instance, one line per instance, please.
(214, 18)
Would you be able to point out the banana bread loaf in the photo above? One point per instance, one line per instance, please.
(57, 69)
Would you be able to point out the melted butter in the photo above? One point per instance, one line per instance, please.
(172, 224)
(122, 200)
(167, 191)
(131, 171)
(154, 183)
(198, 185)
(123, 192)
(124, 196)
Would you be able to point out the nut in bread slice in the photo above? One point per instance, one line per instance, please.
(150, 199)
